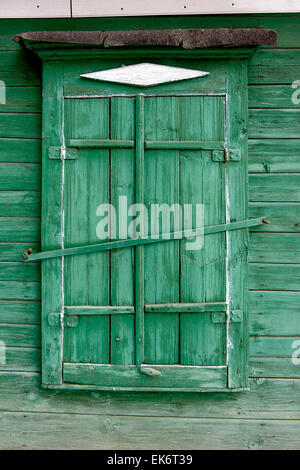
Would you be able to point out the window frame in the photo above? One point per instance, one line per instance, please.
(59, 63)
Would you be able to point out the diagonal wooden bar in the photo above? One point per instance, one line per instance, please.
(78, 250)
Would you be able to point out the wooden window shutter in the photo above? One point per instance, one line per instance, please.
(135, 313)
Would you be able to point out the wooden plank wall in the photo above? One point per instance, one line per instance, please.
(268, 416)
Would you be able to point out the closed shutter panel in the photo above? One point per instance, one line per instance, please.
(172, 274)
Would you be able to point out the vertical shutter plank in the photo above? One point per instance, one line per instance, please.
(203, 270)
(51, 270)
(237, 178)
(139, 250)
(86, 187)
(162, 259)
(122, 261)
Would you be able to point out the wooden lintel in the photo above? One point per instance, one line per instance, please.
(179, 38)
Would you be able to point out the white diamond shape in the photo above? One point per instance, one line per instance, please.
(145, 74)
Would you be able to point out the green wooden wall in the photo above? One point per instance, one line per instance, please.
(267, 417)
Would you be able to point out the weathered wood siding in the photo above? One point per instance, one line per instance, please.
(266, 417)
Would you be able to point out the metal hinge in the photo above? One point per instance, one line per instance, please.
(235, 316)
(227, 155)
(62, 153)
(58, 320)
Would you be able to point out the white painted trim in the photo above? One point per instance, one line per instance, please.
(95, 8)
(227, 238)
(106, 8)
(35, 8)
(145, 74)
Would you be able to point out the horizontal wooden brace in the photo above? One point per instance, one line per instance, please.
(152, 375)
(183, 234)
(70, 387)
(187, 307)
(98, 310)
(188, 144)
(90, 310)
(149, 144)
(105, 143)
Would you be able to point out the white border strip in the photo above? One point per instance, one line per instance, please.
(180, 7)
(110, 8)
(35, 9)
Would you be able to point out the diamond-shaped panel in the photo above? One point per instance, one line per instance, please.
(143, 75)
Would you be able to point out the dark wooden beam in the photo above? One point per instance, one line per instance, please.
(180, 38)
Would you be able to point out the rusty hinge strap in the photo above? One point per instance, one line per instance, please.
(183, 234)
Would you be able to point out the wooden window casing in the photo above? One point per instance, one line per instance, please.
(119, 336)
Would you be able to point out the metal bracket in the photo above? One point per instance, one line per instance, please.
(56, 320)
(54, 153)
(71, 321)
(71, 153)
(233, 155)
(227, 155)
(218, 317)
(218, 155)
(61, 153)
(235, 316)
